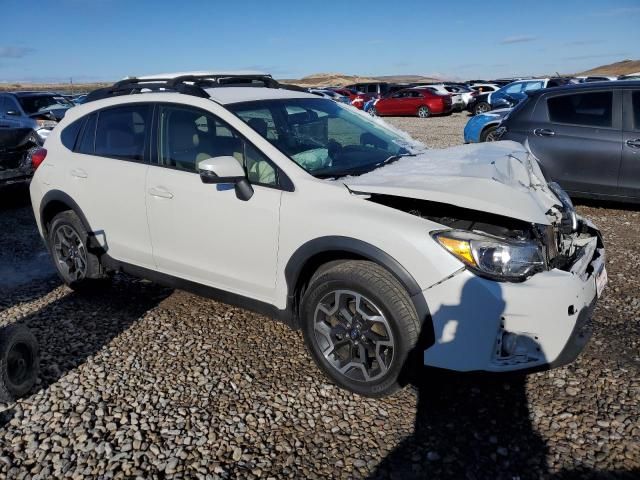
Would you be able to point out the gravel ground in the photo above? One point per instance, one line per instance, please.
(140, 381)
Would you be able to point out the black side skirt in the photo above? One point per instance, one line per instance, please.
(223, 296)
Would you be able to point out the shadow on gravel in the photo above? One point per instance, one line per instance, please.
(472, 426)
(77, 326)
(467, 426)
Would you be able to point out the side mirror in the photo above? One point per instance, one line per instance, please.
(226, 169)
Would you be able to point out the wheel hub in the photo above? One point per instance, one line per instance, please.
(354, 335)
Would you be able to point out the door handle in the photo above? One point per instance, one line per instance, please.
(544, 132)
(160, 192)
(634, 143)
(78, 173)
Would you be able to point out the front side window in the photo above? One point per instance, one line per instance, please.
(530, 86)
(121, 132)
(592, 109)
(188, 136)
(515, 88)
(325, 138)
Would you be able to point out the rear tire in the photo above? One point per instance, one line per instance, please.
(76, 265)
(359, 325)
(19, 362)
(482, 107)
(373, 112)
(424, 112)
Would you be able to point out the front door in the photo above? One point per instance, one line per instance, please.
(579, 143)
(203, 232)
(629, 180)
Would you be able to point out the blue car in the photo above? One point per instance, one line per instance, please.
(511, 94)
(482, 127)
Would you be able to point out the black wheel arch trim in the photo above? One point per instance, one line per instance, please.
(59, 196)
(349, 245)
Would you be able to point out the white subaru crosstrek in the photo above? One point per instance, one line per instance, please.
(381, 251)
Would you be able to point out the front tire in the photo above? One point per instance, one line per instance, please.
(424, 112)
(373, 112)
(76, 265)
(359, 325)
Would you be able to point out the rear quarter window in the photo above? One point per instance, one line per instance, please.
(69, 135)
(590, 109)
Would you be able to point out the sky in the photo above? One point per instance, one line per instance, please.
(94, 40)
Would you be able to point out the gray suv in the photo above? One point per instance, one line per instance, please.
(26, 118)
(586, 136)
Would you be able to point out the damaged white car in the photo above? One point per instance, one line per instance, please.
(381, 251)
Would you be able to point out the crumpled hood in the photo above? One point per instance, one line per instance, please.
(497, 177)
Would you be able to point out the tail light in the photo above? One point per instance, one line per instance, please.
(37, 157)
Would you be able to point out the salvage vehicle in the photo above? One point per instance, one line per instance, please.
(26, 119)
(420, 101)
(387, 255)
(483, 127)
(586, 137)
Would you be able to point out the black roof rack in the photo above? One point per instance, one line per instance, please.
(186, 84)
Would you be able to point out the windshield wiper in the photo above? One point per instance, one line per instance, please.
(394, 158)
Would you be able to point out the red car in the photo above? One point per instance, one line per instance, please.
(358, 99)
(422, 102)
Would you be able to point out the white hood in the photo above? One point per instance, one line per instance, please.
(496, 177)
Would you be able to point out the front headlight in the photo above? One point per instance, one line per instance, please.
(493, 257)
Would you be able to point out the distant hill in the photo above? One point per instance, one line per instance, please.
(625, 67)
(54, 87)
(340, 79)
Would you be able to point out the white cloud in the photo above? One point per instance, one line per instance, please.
(517, 39)
(11, 51)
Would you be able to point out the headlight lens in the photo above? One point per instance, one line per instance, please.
(493, 257)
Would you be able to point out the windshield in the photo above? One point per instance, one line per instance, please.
(43, 103)
(325, 138)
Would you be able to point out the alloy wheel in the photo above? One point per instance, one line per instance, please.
(354, 335)
(70, 252)
(423, 112)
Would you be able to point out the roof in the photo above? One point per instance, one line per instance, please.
(587, 86)
(202, 73)
(32, 94)
(229, 95)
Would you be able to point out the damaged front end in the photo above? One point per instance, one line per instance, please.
(15, 162)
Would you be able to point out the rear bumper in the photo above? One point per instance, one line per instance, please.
(547, 318)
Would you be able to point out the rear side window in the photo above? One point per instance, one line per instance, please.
(635, 101)
(69, 135)
(593, 109)
(121, 132)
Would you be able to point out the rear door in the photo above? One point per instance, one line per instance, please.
(577, 137)
(106, 177)
(629, 179)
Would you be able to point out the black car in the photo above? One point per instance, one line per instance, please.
(26, 118)
(586, 136)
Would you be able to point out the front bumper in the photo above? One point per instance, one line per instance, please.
(544, 319)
